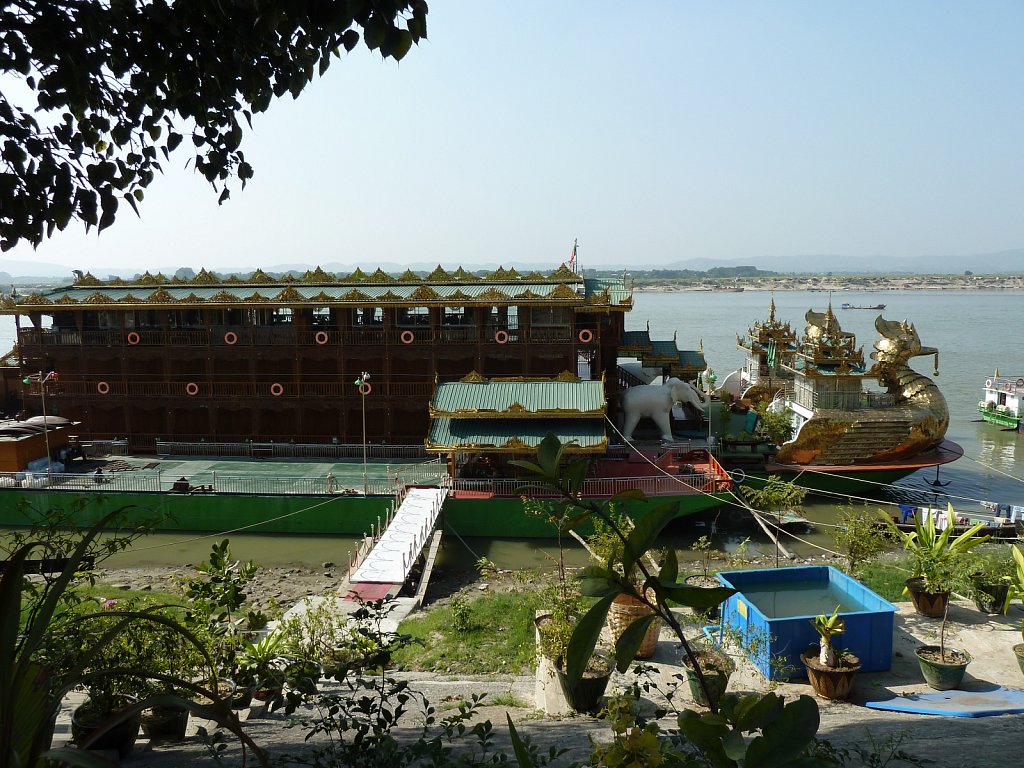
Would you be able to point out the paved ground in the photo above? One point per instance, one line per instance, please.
(947, 741)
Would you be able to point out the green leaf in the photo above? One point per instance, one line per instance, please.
(669, 566)
(596, 581)
(630, 494)
(549, 455)
(630, 640)
(700, 598)
(518, 745)
(787, 737)
(755, 711)
(584, 639)
(646, 532)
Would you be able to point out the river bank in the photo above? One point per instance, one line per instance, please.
(836, 283)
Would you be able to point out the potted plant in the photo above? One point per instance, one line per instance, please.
(605, 548)
(716, 666)
(830, 672)
(989, 584)
(705, 554)
(936, 558)
(943, 668)
(554, 631)
(264, 663)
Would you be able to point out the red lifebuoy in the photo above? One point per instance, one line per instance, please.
(103, 388)
(230, 337)
(501, 337)
(586, 336)
(134, 338)
(365, 389)
(407, 337)
(192, 388)
(276, 389)
(321, 338)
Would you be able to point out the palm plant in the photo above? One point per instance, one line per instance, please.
(935, 554)
(828, 627)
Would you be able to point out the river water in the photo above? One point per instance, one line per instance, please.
(970, 329)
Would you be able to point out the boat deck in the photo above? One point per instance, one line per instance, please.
(209, 474)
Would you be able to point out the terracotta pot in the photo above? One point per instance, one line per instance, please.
(831, 682)
(623, 611)
(942, 674)
(930, 604)
(1019, 650)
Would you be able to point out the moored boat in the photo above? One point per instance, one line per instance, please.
(860, 306)
(1003, 400)
(843, 438)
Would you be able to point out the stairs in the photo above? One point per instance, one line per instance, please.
(865, 439)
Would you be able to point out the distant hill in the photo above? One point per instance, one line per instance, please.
(1011, 261)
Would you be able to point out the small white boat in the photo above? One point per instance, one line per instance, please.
(1002, 400)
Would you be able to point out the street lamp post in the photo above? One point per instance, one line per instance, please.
(363, 382)
(42, 378)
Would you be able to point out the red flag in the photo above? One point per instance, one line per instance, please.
(572, 259)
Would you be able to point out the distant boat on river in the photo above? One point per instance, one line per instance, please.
(858, 306)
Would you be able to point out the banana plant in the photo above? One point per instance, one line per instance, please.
(37, 670)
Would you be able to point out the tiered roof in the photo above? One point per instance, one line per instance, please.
(318, 288)
(513, 415)
(826, 349)
(684, 363)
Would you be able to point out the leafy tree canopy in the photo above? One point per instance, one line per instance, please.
(116, 84)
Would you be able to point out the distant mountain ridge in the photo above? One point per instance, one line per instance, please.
(1010, 261)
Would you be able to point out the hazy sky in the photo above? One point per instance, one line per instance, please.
(726, 130)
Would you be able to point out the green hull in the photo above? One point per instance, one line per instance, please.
(1002, 419)
(341, 515)
(861, 483)
(506, 518)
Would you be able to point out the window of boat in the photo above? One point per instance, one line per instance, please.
(366, 317)
(281, 316)
(556, 316)
(413, 316)
(506, 317)
(231, 316)
(186, 318)
(455, 316)
(322, 316)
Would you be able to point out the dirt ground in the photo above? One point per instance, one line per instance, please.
(945, 741)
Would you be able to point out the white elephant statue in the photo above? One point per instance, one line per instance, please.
(655, 401)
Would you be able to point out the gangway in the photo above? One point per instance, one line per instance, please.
(395, 551)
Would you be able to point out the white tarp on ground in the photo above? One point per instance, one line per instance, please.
(392, 557)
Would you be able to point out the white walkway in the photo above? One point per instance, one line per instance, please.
(391, 559)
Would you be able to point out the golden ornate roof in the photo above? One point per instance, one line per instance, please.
(317, 288)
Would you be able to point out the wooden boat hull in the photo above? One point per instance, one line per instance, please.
(851, 479)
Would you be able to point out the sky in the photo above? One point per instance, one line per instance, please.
(653, 132)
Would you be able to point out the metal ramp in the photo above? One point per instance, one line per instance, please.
(395, 551)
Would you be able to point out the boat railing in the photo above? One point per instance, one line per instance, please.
(155, 481)
(290, 450)
(852, 401)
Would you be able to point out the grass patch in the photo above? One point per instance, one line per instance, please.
(493, 633)
(886, 577)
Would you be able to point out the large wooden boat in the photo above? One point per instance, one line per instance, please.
(319, 361)
(845, 438)
(1002, 400)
